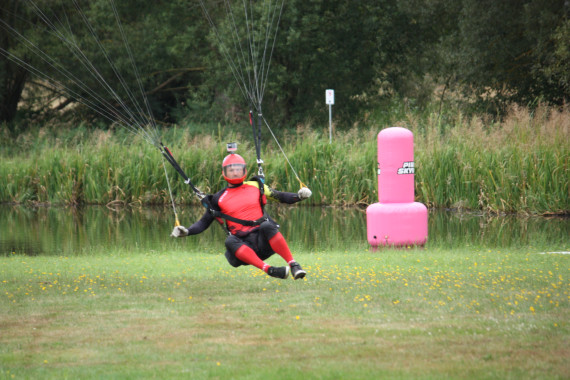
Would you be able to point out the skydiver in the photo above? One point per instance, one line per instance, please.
(253, 236)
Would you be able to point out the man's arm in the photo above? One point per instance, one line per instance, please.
(285, 197)
(202, 224)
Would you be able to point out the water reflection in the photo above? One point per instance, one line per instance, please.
(70, 231)
(456, 229)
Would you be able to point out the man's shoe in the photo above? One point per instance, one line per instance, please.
(279, 272)
(296, 271)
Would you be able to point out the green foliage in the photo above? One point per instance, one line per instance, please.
(555, 61)
(519, 165)
(329, 45)
(480, 54)
(83, 54)
(504, 48)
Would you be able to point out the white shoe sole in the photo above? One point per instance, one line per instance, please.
(300, 274)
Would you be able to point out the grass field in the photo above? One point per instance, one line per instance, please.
(431, 313)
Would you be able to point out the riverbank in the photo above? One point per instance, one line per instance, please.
(520, 165)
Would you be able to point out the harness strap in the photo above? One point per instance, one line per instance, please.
(170, 158)
(249, 223)
(261, 184)
(257, 141)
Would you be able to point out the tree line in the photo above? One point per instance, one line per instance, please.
(481, 54)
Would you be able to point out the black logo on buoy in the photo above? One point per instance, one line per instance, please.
(407, 168)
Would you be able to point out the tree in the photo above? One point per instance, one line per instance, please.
(504, 47)
(547, 27)
(367, 51)
(12, 77)
(85, 55)
(556, 67)
(345, 45)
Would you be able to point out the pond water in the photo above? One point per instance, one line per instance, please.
(76, 231)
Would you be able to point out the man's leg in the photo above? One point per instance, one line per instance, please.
(248, 256)
(278, 244)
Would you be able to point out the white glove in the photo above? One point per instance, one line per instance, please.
(304, 193)
(179, 231)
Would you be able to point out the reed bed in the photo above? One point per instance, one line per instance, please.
(520, 164)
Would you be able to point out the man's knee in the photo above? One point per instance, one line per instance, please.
(233, 260)
(269, 228)
(233, 243)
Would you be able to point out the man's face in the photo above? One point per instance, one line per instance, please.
(235, 171)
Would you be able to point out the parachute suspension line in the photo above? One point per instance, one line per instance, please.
(104, 109)
(267, 38)
(57, 86)
(137, 74)
(151, 120)
(176, 221)
(122, 114)
(149, 112)
(236, 69)
(107, 111)
(81, 57)
(250, 69)
(260, 63)
(284, 155)
(246, 62)
(252, 50)
(139, 123)
(132, 119)
(250, 60)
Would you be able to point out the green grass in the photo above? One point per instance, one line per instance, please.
(469, 313)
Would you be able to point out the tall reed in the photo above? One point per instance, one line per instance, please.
(517, 165)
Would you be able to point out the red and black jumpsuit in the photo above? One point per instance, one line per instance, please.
(244, 202)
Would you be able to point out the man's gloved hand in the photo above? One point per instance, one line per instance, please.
(304, 193)
(179, 231)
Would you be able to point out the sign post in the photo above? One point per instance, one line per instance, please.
(330, 102)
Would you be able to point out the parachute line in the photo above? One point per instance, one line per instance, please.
(283, 152)
(249, 61)
(138, 121)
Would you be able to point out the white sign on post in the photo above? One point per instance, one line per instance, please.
(330, 96)
(330, 102)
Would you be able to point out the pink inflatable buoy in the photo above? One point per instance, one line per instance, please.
(396, 224)
(395, 165)
(396, 220)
